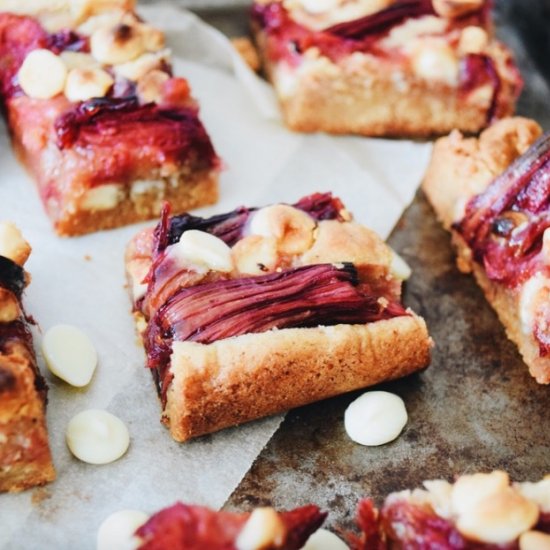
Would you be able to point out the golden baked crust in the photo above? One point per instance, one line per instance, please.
(25, 459)
(240, 378)
(384, 94)
(461, 168)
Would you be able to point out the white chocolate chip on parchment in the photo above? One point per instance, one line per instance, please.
(96, 436)
(375, 418)
(70, 354)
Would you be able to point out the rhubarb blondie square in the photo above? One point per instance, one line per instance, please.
(259, 310)
(97, 117)
(492, 193)
(25, 459)
(385, 67)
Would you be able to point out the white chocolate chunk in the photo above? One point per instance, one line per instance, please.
(400, 269)
(145, 63)
(102, 197)
(375, 418)
(319, 6)
(472, 40)
(42, 75)
(435, 61)
(84, 84)
(70, 354)
(468, 490)
(117, 530)
(118, 44)
(203, 249)
(263, 529)
(150, 86)
(499, 518)
(97, 437)
(538, 492)
(12, 243)
(325, 540)
(255, 255)
(292, 228)
(78, 60)
(534, 540)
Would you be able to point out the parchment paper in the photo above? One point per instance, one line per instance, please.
(81, 281)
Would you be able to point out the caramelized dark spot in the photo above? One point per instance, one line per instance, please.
(7, 380)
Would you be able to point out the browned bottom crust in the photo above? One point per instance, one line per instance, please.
(461, 168)
(136, 201)
(25, 459)
(363, 94)
(255, 375)
(188, 192)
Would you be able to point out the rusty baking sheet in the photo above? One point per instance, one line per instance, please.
(475, 408)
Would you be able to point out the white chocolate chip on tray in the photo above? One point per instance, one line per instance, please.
(117, 531)
(375, 418)
(70, 354)
(97, 437)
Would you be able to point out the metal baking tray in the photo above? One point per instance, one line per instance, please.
(474, 409)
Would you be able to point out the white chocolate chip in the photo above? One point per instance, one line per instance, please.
(117, 532)
(534, 540)
(439, 492)
(472, 40)
(499, 518)
(263, 529)
(537, 492)
(375, 418)
(78, 60)
(97, 437)
(150, 86)
(325, 540)
(203, 249)
(12, 243)
(455, 8)
(84, 84)
(145, 63)
(70, 354)
(319, 6)
(102, 197)
(254, 255)
(436, 61)
(292, 228)
(42, 75)
(468, 490)
(153, 38)
(400, 269)
(118, 44)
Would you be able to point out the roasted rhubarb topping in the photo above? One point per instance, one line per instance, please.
(18, 36)
(12, 276)
(504, 225)
(408, 525)
(68, 40)
(177, 133)
(303, 297)
(166, 277)
(229, 227)
(368, 521)
(288, 39)
(184, 527)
